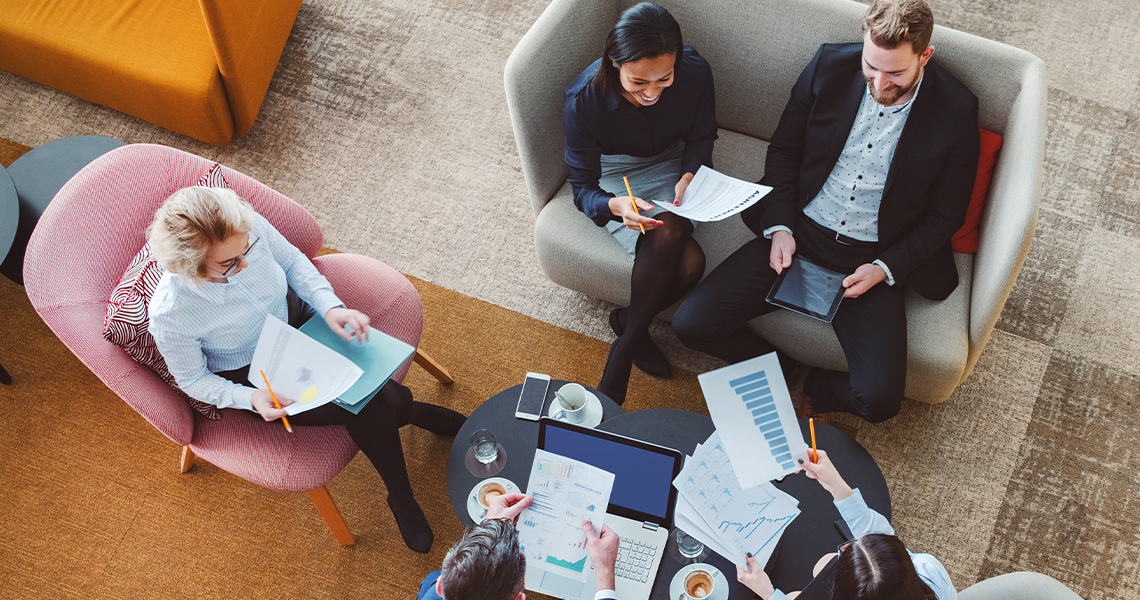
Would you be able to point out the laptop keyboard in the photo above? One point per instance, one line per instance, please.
(634, 560)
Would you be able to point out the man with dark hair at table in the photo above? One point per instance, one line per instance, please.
(872, 166)
(487, 563)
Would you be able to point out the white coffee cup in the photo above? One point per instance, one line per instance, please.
(572, 399)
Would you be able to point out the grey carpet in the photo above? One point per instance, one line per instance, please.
(386, 119)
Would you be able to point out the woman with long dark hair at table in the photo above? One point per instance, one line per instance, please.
(876, 566)
(646, 110)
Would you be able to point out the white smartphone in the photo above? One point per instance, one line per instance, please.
(533, 396)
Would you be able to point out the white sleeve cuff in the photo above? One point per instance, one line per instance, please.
(769, 231)
(887, 270)
(605, 595)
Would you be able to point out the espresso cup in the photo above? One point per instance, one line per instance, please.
(698, 584)
(572, 399)
(488, 492)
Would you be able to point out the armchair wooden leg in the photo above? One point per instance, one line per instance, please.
(187, 459)
(429, 365)
(325, 505)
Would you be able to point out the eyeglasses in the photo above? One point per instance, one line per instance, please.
(237, 261)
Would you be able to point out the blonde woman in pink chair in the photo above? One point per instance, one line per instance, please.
(226, 269)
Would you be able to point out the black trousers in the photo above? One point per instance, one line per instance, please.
(375, 430)
(871, 328)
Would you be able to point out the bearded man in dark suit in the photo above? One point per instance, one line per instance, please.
(872, 166)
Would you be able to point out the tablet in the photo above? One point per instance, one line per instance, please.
(808, 289)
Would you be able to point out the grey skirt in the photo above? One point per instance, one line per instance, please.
(652, 179)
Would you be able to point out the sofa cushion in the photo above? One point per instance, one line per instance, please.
(966, 239)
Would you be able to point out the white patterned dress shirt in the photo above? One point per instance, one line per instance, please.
(848, 203)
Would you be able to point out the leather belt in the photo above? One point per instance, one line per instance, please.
(839, 237)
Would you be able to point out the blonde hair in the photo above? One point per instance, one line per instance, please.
(894, 22)
(191, 222)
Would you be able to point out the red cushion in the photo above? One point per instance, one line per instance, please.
(966, 240)
(127, 324)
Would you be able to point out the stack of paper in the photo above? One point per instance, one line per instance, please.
(730, 520)
(752, 410)
(314, 366)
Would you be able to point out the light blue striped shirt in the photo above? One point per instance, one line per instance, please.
(203, 330)
(864, 521)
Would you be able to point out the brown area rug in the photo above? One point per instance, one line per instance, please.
(94, 505)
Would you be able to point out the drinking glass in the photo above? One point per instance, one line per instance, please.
(484, 447)
(689, 546)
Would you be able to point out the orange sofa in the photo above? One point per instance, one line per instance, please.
(197, 67)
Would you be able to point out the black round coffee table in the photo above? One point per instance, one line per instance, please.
(518, 437)
(811, 535)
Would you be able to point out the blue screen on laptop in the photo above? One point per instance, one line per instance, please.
(642, 478)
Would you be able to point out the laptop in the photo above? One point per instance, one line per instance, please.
(640, 511)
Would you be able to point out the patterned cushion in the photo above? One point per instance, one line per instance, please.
(127, 322)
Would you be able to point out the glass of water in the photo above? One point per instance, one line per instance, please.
(484, 447)
(689, 546)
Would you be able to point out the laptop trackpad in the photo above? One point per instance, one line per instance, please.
(561, 587)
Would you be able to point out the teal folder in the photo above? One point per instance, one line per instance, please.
(379, 358)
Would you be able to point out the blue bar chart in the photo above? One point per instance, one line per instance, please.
(754, 391)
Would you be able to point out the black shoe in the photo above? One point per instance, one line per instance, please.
(414, 527)
(646, 356)
(436, 419)
(615, 377)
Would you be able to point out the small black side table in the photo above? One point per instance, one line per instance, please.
(9, 220)
(518, 437)
(810, 535)
(37, 176)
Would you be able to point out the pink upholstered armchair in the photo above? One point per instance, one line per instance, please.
(82, 245)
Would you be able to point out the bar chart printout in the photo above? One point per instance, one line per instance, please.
(566, 492)
(751, 408)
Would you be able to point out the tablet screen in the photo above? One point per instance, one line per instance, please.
(808, 288)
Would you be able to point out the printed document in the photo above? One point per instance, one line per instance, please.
(713, 196)
(299, 368)
(379, 357)
(751, 408)
(566, 492)
(731, 521)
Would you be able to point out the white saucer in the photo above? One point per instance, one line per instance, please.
(593, 412)
(476, 510)
(720, 584)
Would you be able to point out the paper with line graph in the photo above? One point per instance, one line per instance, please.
(730, 520)
(751, 408)
(566, 492)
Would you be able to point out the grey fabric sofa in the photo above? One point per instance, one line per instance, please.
(1018, 586)
(757, 49)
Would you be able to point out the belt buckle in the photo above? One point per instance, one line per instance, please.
(839, 240)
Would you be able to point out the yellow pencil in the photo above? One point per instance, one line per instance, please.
(626, 179)
(284, 419)
(814, 452)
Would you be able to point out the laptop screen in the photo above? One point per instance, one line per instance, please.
(643, 472)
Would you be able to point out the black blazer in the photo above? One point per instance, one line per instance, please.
(928, 184)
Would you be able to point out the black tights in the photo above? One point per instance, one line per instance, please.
(376, 432)
(669, 263)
